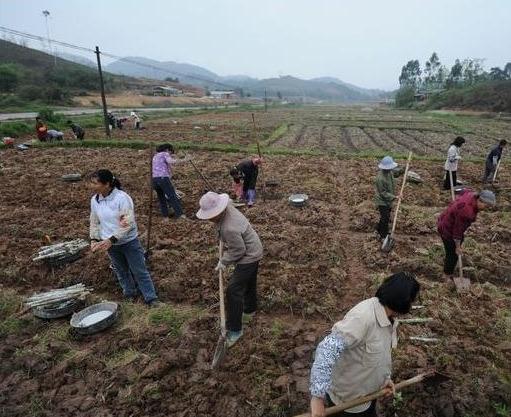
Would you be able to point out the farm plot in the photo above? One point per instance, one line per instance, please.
(319, 261)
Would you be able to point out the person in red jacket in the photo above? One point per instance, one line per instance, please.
(41, 129)
(454, 222)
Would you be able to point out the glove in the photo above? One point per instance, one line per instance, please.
(220, 266)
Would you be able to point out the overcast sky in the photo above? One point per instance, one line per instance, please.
(364, 42)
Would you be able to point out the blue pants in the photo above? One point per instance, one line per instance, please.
(167, 195)
(129, 266)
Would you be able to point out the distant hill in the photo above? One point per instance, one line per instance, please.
(150, 68)
(77, 59)
(29, 77)
(325, 88)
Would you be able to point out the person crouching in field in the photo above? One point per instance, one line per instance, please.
(454, 221)
(355, 359)
(385, 194)
(113, 229)
(243, 250)
(41, 129)
(237, 186)
(250, 170)
(77, 130)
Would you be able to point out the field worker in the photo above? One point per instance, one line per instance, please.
(53, 134)
(385, 189)
(112, 123)
(249, 169)
(77, 130)
(355, 358)
(454, 221)
(163, 162)
(41, 129)
(492, 160)
(113, 229)
(237, 186)
(136, 120)
(451, 163)
(244, 250)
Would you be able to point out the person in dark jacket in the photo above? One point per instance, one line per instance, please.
(78, 131)
(455, 221)
(492, 160)
(250, 169)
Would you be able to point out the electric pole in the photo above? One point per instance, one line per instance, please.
(103, 98)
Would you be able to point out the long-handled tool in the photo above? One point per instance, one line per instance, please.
(461, 283)
(221, 345)
(206, 182)
(388, 242)
(260, 156)
(150, 204)
(496, 171)
(430, 377)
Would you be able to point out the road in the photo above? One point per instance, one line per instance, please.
(81, 111)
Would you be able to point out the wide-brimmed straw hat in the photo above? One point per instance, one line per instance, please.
(211, 205)
(387, 163)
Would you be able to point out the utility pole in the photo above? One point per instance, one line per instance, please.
(103, 98)
(46, 13)
(265, 102)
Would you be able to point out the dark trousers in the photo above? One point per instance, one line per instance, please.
(489, 171)
(167, 195)
(241, 294)
(383, 225)
(447, 180)
(370, 412)
(451, 258)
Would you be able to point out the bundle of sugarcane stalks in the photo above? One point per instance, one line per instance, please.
(58, 296)
(61, 252)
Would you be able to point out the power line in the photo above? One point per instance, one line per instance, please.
(107, 54)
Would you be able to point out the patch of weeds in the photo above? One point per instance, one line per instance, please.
(377, 279)
(276, 329)
(9, 303)
(36, 407)
(503, 323)
(502, 410)
(122, 358)
(12, 325)
(170, 317)
(398, 401)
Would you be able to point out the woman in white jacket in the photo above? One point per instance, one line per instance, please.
(451, 163)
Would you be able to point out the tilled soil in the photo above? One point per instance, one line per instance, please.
(320, 260)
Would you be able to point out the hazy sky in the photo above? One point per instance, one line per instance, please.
(364, 42)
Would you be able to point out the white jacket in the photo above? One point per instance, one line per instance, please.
(453, 156)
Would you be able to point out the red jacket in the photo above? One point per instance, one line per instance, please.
(458, 216)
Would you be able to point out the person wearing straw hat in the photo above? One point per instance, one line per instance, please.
(492, 161)
(454, 221)
(385, 194)
(355, 359)
(243, 250)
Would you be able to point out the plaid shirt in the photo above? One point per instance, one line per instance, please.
(458, 216)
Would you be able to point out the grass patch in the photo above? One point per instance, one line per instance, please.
(277, 133)
(9, 304)
(170, 317)
(122, 358)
